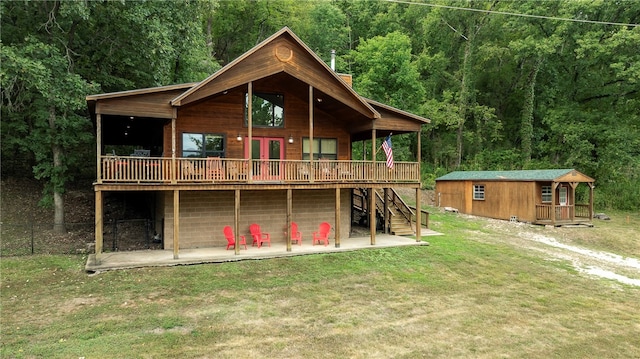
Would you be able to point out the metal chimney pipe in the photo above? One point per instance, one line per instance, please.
(333, 60)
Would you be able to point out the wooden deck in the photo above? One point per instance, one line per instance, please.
(163, 170)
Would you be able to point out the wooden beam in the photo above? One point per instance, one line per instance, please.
(99, 147)
(554, 187)
(372, 215)
(289, 216)
(418, 214)
(99, 226)
(337, 226)
(176, 223)
(236, 221)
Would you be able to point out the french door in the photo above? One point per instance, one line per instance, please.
(266, 153)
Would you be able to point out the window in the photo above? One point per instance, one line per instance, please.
(267, 110)
(322, 148)
(202, 145)
(546, 194)
(478, 191)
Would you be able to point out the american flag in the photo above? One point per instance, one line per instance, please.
(386, 146)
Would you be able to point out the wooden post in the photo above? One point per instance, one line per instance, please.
(98, 146)
(236, 221)
(372, 215)
(386, 210)
(373, 155)
(573, 200)
(173, 146)
(176, 223)
(554, 187)
(99, 226)
(312, 174)
(591, 186)
(289, 214)
(337, 226)
(250, 130)
(418, 214)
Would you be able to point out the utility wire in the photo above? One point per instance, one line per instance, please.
(513, 13)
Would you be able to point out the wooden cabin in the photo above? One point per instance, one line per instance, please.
(535, 196)
(267, 139)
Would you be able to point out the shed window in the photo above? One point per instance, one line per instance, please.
(202, 145)
(267, 110)
(326, 148)
(478, 192)
(546, 194)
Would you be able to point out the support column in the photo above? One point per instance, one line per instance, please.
(236, 221)
(418, 214)
(554, 187)
(176, 223)
(312, 174)
(372, 215)
(289, 216)
(591, 186)
(99, 226)
(386, 210)
(337, 226)
(174, 169)
(573, 200)
(98, 147)
(373, 155)
(250, 129)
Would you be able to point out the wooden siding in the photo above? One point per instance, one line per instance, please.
(225, 115)
(203, 215)
(156, 105)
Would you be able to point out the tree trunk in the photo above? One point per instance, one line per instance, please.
(465, 93)
(526, 126)
(57, 183)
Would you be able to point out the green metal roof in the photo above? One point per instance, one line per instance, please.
(524, 175)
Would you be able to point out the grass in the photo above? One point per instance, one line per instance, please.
(457, 297)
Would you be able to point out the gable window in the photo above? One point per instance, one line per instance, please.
(202, 145)
(546, 194)
(478, 192)
(326, 148)
(267, 110)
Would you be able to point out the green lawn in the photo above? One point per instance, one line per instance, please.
(458, 297)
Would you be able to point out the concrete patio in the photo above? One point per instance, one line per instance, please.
(164, 258)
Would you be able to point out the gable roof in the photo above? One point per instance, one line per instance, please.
(257, 63)
(553, 175)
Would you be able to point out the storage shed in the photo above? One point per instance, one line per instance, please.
(535, 196)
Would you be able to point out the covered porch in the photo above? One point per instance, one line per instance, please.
(165, 258)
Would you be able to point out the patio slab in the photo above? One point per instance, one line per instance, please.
(164, 258)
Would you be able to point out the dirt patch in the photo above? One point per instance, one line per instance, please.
(550, 243)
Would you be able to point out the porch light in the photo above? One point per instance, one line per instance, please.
(239, 138)
(290, 139)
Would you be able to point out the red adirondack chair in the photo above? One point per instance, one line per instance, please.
(322, 235)
(258, 236)
(295, 235)
(231, 239)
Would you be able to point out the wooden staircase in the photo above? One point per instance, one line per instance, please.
(401, 217)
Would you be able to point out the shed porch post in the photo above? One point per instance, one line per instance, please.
(591, 186)
(554, 187)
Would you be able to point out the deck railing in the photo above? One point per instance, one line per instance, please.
(128, 169)
(543, 211)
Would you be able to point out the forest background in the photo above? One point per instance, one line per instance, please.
(507, 84)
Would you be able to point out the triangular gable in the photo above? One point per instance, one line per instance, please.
(574, 176)
(281, 52)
